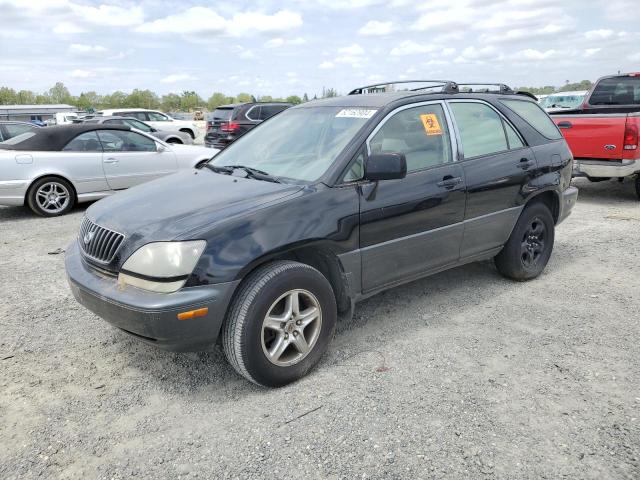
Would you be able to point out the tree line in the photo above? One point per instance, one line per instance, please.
(567, 87)
(187, 101)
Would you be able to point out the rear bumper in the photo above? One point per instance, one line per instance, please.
(150, 317)
(605, 168)
(12, 192)
(567, 201)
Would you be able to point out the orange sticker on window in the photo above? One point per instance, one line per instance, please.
(431, 125)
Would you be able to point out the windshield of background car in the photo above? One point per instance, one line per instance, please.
(299, 143)
(616, 91)
(562, 101)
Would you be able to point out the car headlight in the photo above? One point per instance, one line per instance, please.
(161, 267)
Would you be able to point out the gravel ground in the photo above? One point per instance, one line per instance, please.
(461, 375)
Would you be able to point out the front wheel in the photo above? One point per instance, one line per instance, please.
(529, 247)
(280, 323)
(51, 196)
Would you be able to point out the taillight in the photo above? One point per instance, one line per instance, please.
(630, 137)
(229, 127)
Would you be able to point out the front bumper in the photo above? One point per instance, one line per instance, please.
(605, 168)
(567, 201)
(13, 192)
(150, 317)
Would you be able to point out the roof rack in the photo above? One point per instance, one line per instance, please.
(445, 86)
(502, 88)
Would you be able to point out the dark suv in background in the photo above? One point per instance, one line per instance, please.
(227, 123)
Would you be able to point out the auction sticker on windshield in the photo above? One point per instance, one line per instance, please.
(431, 125)
(355, 113)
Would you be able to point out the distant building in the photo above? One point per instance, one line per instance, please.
(27, 113)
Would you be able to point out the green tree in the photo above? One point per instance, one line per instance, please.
(8, 96)
(60, 94)
(170, 102)
(218, 99)
(142, 99)
(266, 98)
(243, 97)
(116, 100)
(88, 100)
(26, 97)
(583, 85)
(294, 99)
(190, 100)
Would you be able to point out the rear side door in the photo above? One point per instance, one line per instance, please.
(131, 158)
(497, 166)
(412, 226)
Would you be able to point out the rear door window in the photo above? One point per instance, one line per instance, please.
(481, 129)
(535, 116)
(616, 91)
(269, 111)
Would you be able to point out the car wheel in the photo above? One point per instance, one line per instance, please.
(280, 323)
(191, 134)
(638, 186)
(51, 196)
(529, 247)
(174, 140)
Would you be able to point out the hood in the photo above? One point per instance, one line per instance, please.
(172, 206)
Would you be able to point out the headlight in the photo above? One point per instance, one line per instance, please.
(161, 266)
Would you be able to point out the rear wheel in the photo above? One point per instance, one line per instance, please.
(279, 323)
(51, 196)
(529, 247)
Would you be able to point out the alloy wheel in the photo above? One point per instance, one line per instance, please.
(53, 197)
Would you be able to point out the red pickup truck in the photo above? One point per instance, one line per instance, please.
(603, 133)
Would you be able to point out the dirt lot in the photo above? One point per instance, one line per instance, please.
(461, 375)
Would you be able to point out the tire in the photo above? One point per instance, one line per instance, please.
(598, 179)
(529, 247)
(47, 189)
(191, 133)
(637, 182)
(248, 336)
(174, 140)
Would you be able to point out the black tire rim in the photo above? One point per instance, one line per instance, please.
(533, 243)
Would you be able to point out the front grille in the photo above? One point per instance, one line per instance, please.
(98, 243)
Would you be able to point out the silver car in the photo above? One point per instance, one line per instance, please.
(50, 169)
(165, 136)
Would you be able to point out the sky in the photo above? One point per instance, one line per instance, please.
(285, 47)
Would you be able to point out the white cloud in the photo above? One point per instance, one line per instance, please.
(67, 28)
(274, 43)
(205, 21)
(109, 15)
(352, 50)
(326, 65)
(533, 54)
(598, 34)
(82, 74)
(409, 47)
(376, 28)
(589, 52)
(177, 77)
(87, 50)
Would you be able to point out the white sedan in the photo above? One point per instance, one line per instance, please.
(52, 168)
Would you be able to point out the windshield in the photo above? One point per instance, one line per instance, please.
(299, 143)
(562, 101)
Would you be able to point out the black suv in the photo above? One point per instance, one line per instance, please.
(330, 202)
(229, 122)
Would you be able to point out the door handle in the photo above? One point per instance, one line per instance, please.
(449, 182)
(111, 160)
(565, 125)
(525, 163)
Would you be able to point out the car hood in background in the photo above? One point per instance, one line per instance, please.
(172, 206)
(193, 149)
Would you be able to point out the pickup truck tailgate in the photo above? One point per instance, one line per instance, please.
(595, 136)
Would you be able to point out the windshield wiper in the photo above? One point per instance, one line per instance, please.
(255, 173)
(217, 169)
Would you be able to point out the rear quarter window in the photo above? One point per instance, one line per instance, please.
(534, 115)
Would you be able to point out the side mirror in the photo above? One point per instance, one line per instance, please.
(160, 148)
(385, 166)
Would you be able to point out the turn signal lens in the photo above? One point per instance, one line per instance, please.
(200, 312)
